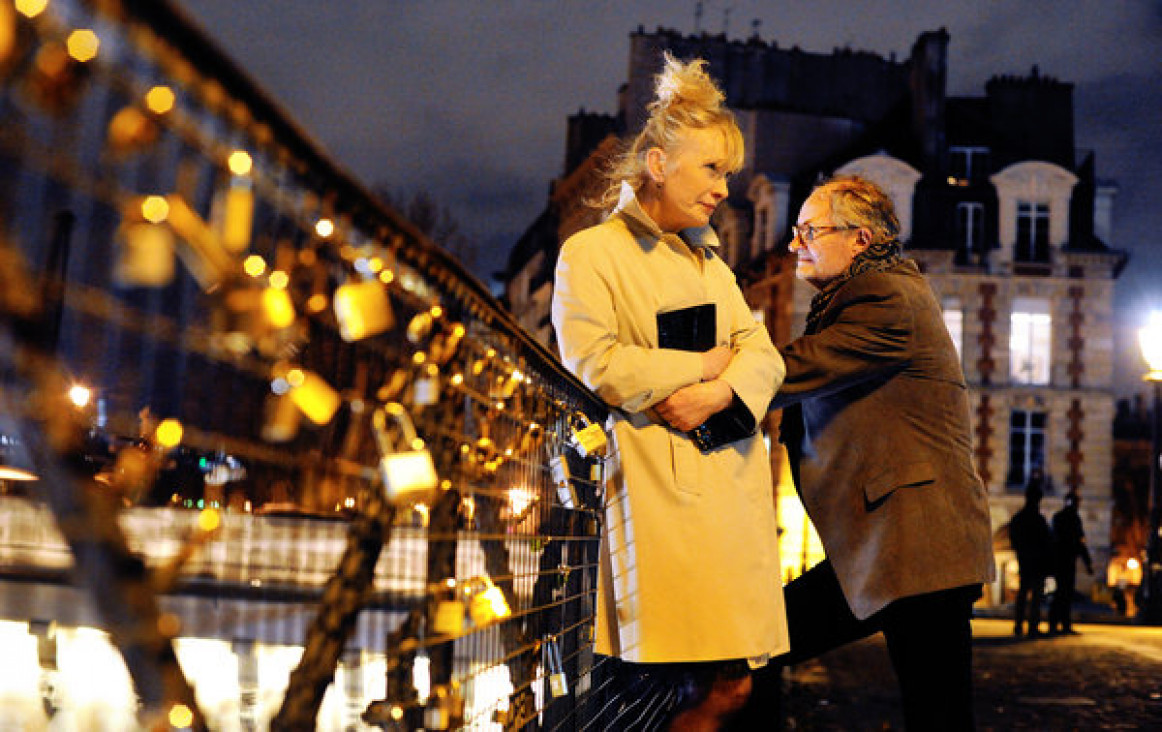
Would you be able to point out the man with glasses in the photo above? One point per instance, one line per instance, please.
(876, 424)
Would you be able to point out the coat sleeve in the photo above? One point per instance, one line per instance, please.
(869, 338)
(757, 369)
(585, 309)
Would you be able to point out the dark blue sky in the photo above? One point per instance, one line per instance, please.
(467, 99)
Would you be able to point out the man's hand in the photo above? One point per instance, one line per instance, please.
(692, 405)
(715, 361)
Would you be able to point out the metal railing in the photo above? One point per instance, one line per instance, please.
(293, 396)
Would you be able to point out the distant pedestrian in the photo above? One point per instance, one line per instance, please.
(1033, 543)
(1068, 545)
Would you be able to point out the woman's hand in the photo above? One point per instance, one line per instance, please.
(692, 405)
(715, 361)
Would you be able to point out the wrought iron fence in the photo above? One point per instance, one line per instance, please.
(243, 382)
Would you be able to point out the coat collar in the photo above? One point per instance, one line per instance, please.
(698, 237)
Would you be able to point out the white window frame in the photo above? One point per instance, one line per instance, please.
(1030, 342)
(1027, 442)
(1025, 249)
(954, 322)
(970, 228)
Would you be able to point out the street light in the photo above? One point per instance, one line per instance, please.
(1150, 341)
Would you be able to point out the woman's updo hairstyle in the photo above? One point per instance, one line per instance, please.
(685, 97)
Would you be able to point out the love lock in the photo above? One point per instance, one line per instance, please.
(559, 471)
(588, 437)
(555, 669)
(363, 309)
(408, 473)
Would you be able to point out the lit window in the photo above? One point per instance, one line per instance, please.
(1026, 445)
(954, 321)
(1029, 342)
(1032, 233)
(970, 231)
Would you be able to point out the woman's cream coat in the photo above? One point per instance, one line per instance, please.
(689, 559)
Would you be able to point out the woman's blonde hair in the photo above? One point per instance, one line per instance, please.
(685, 97)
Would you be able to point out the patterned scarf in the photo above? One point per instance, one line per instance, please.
(878, 257)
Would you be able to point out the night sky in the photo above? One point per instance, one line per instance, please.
(467, 99)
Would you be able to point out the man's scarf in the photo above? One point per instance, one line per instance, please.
(878, 257)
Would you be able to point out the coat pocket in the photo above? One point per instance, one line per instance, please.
(898, 476)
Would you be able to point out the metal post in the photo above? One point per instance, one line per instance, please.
(1153, 595)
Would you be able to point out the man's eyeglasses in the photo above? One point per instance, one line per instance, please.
(807, 232)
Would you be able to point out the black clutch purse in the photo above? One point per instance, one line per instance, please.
(695, 329)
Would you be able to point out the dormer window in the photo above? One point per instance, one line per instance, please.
(1032, 243)
(967, 164)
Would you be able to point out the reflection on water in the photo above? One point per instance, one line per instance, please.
(244, 605)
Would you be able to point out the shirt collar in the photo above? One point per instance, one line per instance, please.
(697, 237)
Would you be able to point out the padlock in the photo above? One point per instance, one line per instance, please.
(449, 619)
(555, 669)
(588, 437)
(363, 309)
(202, 250)
(408, 473)
(237, 215)
(488, 603)
(145, 257)
(426, 389)
(566, 492)
(317, 399)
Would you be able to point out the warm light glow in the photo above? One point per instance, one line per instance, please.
(155, 209)
(386, 276)
(209, 520)
(180, 716)
(437, 311)
(254, 265)
(457, 379)
(295, 377)
(324, 228)
(83, 44)
(1132, 564)
(317, 303)
(160, 99)
(240, 162)
(519, 500)
(279, 279)
(280, 310)
(1150, 341)
(8, 472)
(31, 8)
(168, 433)
(80, 395)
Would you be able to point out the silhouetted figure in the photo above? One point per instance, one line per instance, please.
(1068, 545)
(1033, 543)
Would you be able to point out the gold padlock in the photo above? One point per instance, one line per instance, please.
(237, 215)
(555, 669)
(408, 473)
(145, 257)
(317, 399)
(363, 309)
(488, 603)
(588, 437)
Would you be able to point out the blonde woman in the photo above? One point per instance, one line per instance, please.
(650, 318)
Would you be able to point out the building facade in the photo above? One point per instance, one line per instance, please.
(1000, 209)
